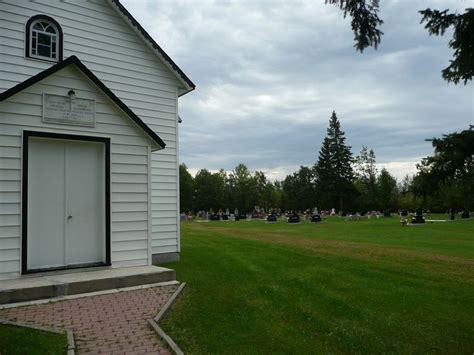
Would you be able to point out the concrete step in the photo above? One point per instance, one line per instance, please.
(62, 283)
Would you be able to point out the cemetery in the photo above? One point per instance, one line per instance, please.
(275, 215)
(348, 286)
(108, 243)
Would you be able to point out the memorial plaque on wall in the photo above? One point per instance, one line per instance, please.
(65, 110)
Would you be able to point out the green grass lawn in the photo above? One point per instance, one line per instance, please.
(18, 340)
(362, 286)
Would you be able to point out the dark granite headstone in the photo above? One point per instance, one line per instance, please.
(294, 218)
(465, 214)
(225, 217)
(271, 218)
(404, 213)
(418, 218)
(215, 217)
(315, 218)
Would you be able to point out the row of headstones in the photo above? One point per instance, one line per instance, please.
(314, 216)
(271, 218)
(292, 217)
(419, 218)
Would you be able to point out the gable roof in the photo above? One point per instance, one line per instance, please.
(188, 84)
(75, 61)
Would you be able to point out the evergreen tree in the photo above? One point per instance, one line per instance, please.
(324, 176)
(334, 172)
(366, 27)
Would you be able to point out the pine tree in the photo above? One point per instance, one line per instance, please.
(366, 27)
(324, 176)
(334, 171)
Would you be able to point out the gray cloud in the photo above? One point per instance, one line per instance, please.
(269, 74)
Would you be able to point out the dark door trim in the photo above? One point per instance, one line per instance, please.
(24, 201)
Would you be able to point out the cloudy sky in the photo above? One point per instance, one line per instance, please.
(269, 73)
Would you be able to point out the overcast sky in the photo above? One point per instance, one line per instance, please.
(269, 73)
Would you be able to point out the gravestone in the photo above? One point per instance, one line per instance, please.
(465, 214)
(315, 218)
(294, 218)
(386, 213)
(354, 217)
(272, 218)
(241, 217)
(214, 217)
(404, 213)
(418, 218)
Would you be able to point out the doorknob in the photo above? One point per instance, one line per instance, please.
(69, 217)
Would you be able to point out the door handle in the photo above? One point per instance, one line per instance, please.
(69, 217)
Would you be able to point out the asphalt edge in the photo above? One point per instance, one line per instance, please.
(154, 323)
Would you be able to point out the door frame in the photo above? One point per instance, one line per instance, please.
(24, 198)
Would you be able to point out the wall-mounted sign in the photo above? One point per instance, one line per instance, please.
(66, 110)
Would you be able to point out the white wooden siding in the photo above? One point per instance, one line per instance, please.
(130, 234)
(105, 43)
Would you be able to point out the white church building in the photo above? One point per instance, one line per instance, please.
(88, 139)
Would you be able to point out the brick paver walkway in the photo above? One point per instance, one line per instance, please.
(107, 324)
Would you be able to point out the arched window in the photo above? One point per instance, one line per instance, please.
(44, 39)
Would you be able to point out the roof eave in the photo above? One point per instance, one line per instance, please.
(185, 91)
(96, 81)
(150, 42)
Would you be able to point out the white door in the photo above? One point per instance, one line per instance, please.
(66, 203)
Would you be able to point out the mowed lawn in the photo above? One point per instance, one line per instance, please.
(19, 340)
(363, 286)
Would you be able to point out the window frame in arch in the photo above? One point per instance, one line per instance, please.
(32, 41)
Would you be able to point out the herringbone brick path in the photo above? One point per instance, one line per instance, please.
(102, 324)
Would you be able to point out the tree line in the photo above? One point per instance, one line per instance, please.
(340, 180)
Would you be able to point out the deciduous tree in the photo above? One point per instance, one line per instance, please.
(209, 190)
(186, 189)
(387, 192)
(299, 190)
(366, 176)
(450, 171)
